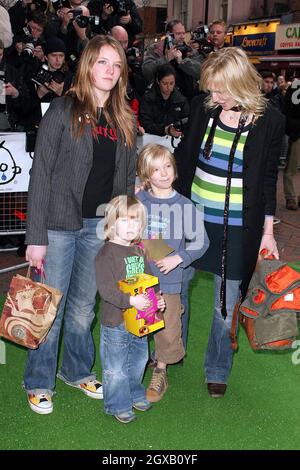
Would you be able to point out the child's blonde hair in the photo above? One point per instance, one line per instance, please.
(146, 161)
(123, 206)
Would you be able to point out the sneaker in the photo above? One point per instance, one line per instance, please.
(40, 403)
(92, 389)
(126, 417)
(158, 385)
(143, 405)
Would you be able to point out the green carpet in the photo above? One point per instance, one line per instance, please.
(259, 411)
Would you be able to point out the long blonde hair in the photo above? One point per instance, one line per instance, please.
(230, 71)
(116, 109)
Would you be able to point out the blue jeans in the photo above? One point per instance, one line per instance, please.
(219, 353)
(124, 357)
(70, 267)
(187, 276)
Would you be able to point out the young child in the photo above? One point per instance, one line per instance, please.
(175, 219)
(123, 355)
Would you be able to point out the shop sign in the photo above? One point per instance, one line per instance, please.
(255, 42)
(288, 36)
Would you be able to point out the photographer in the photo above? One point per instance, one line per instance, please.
(18, 14)
(163, 107)
(120, 34)
(117, 12)
(71, 32)
(134, 56)
(48, 83)
(217, 33)
(13, 96)
(55, 50)
(172, 50)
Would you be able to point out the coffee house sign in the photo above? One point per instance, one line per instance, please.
(287, 36)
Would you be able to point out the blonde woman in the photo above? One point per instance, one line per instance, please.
(227, 162)
(85, 154)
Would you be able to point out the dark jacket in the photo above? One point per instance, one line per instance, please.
(260, 161)
(292, 111)
(15, 106)
(155, 113)
(60, 170)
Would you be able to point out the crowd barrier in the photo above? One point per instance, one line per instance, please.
(15, 164)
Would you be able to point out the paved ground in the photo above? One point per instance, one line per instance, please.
(287, 234)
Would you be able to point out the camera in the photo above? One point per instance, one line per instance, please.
(73, 62)
(84, 21)
(44, 75)
(200, 36)
(121, 7)
(28, 40)
(180, 124)
(61, 4)
(169, 42)
(134, 58)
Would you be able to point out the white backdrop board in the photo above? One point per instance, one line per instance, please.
(15, 162)
(156, 139)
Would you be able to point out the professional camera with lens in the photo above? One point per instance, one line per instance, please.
(169, 42)
(60, 4)
(84, 21)
(44, 75)
(121, 7)
(28, 40)
(72, 63)
(200, 37)
(180, 125)
(134, 58)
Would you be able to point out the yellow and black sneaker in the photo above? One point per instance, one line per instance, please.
(40, 403)
(92, 389)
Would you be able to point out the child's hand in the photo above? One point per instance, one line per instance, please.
(139, 188)
(161, 303)
(168, 263)
(140, 302)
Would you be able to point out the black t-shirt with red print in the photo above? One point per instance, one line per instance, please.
(99, 186)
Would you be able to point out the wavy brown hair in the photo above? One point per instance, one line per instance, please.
(116, 108)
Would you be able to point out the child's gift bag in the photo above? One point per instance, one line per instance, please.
(138, 322)
(29, 311)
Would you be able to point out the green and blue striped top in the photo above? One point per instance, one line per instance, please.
(209, 184)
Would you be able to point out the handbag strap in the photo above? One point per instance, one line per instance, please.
(41, 272)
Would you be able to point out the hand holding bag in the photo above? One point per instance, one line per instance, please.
(29, 311)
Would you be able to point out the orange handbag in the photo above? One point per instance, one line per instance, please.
(268, 313)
